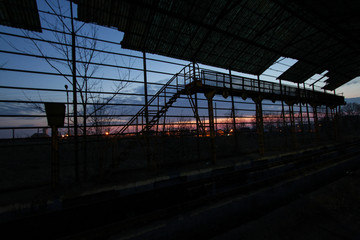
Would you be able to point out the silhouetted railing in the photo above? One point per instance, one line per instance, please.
(274, 91)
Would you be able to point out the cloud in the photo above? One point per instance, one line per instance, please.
(17, 109)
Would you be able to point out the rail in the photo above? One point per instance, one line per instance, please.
(177, 83)
(276, 90)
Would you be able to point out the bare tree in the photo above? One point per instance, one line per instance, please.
(183, 124)
(56, 49)
(271, 121)
(351, 109)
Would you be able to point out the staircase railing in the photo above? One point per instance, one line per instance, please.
(176, 82)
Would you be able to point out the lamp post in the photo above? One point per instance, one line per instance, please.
(67, 106)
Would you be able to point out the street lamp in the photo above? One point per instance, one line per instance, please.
(67, 106)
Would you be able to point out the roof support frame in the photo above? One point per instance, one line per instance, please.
(223, 13)
(228, 34)
(147, 29)
(162, 34)
(274, 24)
(222, 37)
(181, 28)
(259, 35)
(264, 29)
(197, 29)
(287, 8)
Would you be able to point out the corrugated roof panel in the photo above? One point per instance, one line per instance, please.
(335, 79)
(246, 36)
(20, 14)
(300, 72)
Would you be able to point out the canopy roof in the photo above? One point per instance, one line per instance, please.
(246, 36)
(20, 14)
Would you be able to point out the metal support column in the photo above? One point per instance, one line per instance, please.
(233, 114)
(259, 124)
(215, 118)
(73, 57)
(326, 113)
(308, 114)
(209, 96)
(68, 110)
(316, 121)
(145, 90)
(147, 143)
(283, 113)
(157, 122)
(335, 120)
(301, 117)
(292, 125)
(137, 126)
(197, 118)
(165, 101)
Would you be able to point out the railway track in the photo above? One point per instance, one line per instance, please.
(167, 204)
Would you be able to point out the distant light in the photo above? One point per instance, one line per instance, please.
(62, 135)
(106, 133)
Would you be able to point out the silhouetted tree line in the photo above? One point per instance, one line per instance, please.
(351, 109)
(350, 117)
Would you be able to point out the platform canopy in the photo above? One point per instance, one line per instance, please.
(20, 14)
(246, 35)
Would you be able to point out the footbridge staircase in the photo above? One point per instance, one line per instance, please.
(181, 83)
(191, 79)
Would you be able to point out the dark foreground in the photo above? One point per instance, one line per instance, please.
(215, 201)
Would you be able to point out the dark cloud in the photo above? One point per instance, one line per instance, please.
(18, 109)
